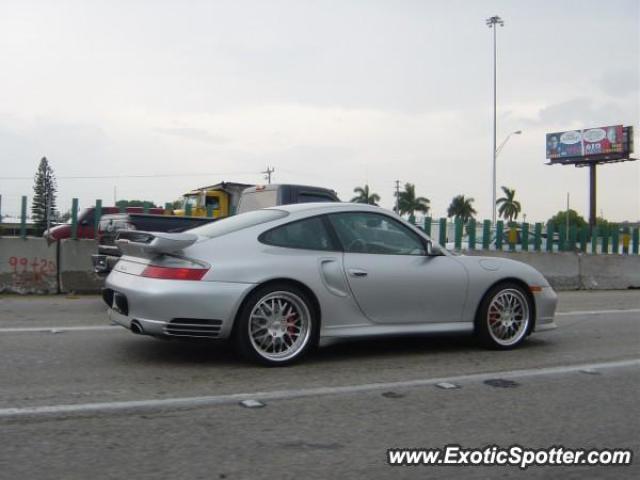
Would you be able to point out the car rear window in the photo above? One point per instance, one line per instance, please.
(309, 234)
(257, 199)
(238, 222)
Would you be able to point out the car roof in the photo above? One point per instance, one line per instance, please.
(327, 206)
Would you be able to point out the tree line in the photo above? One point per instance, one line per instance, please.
(461, 207)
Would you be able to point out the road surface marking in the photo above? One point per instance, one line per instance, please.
(596, 312)
(234, 398)
(79, 328)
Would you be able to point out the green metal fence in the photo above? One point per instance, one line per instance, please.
(473, 235)
(536, 237)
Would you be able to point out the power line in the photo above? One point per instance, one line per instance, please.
(159, 175)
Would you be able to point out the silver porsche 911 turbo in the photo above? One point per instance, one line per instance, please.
(277, 280)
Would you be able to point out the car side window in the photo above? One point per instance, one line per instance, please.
(213, 201)
(362, 232)
(309, 234)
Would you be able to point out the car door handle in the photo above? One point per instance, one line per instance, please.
(356, 272)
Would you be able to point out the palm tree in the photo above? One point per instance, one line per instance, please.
(462, 208)
(508, 207)
(409, 203)
(363, 195)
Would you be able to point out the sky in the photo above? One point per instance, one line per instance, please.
(329, 93)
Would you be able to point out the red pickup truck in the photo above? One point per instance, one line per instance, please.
(86, 223)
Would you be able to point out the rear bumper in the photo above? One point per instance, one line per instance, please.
(154, 328)
(176, 308)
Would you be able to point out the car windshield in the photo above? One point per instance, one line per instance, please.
(238, 222)
(191, 200)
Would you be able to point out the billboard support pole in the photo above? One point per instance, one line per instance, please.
(592, 195)
(609, 144)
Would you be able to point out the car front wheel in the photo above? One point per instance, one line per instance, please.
(505, 316)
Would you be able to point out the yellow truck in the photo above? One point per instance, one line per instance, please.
(219, 200)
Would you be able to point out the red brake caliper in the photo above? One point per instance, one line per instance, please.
(493, 316)
(291, 323)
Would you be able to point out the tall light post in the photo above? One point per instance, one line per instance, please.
(499, 149)
(493, 22)
(495, 157)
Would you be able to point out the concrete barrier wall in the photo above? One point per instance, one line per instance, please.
(608, 272)
(576, 271)
(76, 269)
(31, 266)
(28, 265)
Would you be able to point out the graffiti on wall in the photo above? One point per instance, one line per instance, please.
(32, 272)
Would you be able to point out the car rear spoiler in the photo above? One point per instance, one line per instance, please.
(143, 244)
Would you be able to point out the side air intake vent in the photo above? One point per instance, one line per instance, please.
(194, 327)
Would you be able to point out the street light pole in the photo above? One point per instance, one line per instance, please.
(504, 142)
(493, 22)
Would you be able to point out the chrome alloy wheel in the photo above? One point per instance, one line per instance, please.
(279, 326)
(508, 317)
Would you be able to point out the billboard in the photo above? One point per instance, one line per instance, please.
(585, 143)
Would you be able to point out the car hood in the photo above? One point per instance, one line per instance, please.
(54, 233)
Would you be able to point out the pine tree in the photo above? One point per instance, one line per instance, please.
(44, 196)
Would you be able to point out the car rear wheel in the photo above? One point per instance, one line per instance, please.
(505, 316)
(277, 325)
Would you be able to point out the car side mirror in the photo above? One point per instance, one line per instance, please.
(429, 248)
(433, 250)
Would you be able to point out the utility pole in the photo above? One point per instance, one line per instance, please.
(568, 208)
(493, 23)
(267, 173)
(398, 197)
(47, 180)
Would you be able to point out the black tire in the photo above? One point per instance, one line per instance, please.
(305, 311)
(515, 322)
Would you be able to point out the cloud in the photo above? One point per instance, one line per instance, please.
(196, 134)
(616, 83)
(578, 112)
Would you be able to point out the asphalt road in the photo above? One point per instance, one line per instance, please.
(79, 399)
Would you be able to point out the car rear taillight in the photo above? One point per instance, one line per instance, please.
(174, 273)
